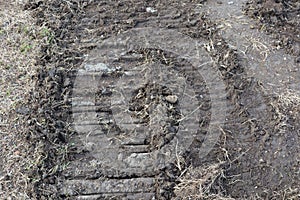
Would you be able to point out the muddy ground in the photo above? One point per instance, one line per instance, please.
(253, 46)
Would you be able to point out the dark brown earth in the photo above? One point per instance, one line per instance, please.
(281, 19)
(257, 154)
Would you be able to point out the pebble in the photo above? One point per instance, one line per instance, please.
(150, 10)
(171, 98)
(193, 22)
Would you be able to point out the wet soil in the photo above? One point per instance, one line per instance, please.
(259, 143)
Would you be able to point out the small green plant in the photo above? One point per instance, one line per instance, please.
(4, 66)
(45, 32)
(7, 67)
(24, 29)
(1, 31)
(8, 92)
(25, 47)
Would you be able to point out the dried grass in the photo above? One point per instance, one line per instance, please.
(19, 48)
(196, 183)
(286, 108)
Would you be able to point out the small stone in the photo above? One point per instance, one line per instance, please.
(172, 99)
(23, 110)
(52, 73)
(161, 191)
(67, 82)
(150, 10)
(193, 22)
(17, 153)
(106, 91)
